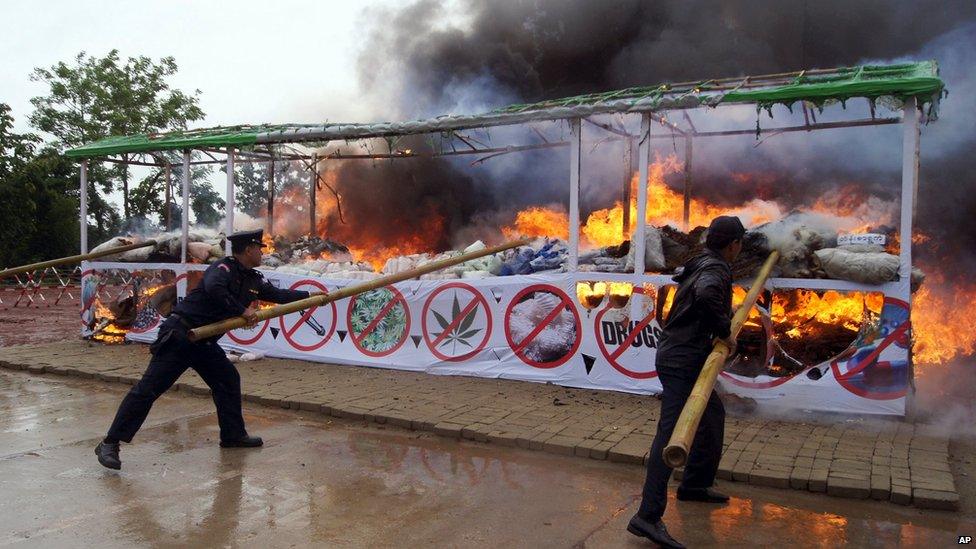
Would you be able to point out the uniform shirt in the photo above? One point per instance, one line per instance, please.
(227, 289)
(701, 312)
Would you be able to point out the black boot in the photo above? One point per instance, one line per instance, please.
(108, 454)
(655, 532)
(246, 442)
(701, 494)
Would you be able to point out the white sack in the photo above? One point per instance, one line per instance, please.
(866, 268)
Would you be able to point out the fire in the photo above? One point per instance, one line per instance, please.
(943, 311)
(943, 320)
(376, 252)
(113, 320)
(268, 242)
(620, 293)
(539, 221)
(105, 330)
(664, 207)
(591, 294)
(364, 245)
(801, 314)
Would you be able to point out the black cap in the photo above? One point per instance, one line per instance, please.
(727, 226)
(247, 237)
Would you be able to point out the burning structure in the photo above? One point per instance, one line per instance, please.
(584, 304)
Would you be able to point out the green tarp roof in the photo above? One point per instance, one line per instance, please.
(920, 80)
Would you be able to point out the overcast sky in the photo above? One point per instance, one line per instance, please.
(254, 61)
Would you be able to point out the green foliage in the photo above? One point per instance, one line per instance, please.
(38, 199)
(94, 98)
(251, 183)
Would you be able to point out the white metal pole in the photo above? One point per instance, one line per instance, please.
(186, 203)
(644, 162)
(83, 207)
(574, 191)
(229, 209)
(87, 282)
(909, 190)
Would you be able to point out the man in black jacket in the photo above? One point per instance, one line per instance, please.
(700, 314)
(230, 288)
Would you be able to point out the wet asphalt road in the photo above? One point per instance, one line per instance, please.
(327, 483)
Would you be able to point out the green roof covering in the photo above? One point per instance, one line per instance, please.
(225, 136)
(920, 80)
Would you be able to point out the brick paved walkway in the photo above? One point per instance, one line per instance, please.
(883, 460)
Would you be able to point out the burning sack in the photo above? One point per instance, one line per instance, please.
(866, 268)
(797, 237)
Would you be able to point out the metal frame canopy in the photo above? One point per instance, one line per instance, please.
(915, 88)
(919, 81)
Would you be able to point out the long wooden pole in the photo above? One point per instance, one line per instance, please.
(217, 328)
(74, 259)
(676, 452)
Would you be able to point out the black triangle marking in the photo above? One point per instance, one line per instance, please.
(274, 333)
(416, 341)
(342, 335)
(588, 363)
(496, 355)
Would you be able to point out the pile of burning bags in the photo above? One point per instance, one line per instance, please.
(809, 247)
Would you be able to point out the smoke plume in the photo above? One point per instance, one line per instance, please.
(433, 57)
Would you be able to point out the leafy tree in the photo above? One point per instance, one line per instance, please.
(94, 98)
(38, 198)
(15, 149)
(251, 183)
(149, 195)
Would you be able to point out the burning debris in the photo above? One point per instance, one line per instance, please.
(303, 249)
(136, 307)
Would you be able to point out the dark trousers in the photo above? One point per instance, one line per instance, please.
(706, 450)
(173, 353)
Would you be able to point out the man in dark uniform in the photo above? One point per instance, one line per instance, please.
(700, 315)
(230, 288)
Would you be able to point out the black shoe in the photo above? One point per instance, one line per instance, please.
(246, 442)
(108, 455)
(702, 494)
(655, 532)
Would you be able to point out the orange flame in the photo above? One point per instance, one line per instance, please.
(539, 221)
(943, 320)
(268, 242)
(664, 207)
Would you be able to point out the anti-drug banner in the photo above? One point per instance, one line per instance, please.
(533, 328)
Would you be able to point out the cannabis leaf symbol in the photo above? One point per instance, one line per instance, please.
(462, 330)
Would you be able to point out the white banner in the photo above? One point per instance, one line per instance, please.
(533, 328)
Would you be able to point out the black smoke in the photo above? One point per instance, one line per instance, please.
(432, 57)
(542, 49)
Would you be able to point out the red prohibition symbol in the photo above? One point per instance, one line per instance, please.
(358, 340)
(317, 334)
(613, 357)
(460, 324)
(519, 346)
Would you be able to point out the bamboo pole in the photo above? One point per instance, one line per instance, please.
(74, 259)
(676, 452)
(217, 328)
